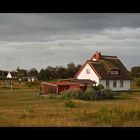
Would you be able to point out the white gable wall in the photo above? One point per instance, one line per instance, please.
(126, 85)
(9, 75)
(92, 76)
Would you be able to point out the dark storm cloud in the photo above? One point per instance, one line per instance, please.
(57, 39)
(41, 26)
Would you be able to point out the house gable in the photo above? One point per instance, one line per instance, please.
(87, 72)
(79, 71)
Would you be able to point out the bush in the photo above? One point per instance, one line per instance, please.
(66, 94)
(70, 103)
(98, 93)
(78, 94)
(99, 87)
(107, 94)
(137, 81)
(91, 93)
(75, 93)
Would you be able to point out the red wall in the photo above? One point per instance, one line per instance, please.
(45, 87)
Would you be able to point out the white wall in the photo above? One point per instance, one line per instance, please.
(92, 76)
(94, 59)
(126, 85)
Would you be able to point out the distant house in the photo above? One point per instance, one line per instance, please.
(12, 74)
(106, 70)
(32, 79)
(9, 75)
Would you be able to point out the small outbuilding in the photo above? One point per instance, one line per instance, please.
(66, 84)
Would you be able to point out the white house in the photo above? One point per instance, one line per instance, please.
(32, 79)
(9, 75)
(108, 71)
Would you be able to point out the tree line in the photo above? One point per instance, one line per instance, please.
(58, 72)
(50, 73)
(53, 73)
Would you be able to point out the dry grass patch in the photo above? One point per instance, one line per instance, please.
(22, 107)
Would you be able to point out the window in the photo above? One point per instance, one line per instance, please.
(121, 83)
(87, 71)
(114, 83)
(114, 72)
(107, 83)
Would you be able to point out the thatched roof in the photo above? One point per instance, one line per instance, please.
(107, 63)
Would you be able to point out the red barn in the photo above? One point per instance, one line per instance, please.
(66, 84)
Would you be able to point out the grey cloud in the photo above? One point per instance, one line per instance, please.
(38, 40)
(36, 26)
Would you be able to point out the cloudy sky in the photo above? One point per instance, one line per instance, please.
(42, 39)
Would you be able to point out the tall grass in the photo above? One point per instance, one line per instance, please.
(30, 109)
(115, 116)
(70, 103)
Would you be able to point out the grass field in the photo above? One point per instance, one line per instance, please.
(22, 107)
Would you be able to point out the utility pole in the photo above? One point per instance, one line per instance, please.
(11, 85)
(9, 76)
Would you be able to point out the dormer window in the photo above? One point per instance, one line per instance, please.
(114, 72)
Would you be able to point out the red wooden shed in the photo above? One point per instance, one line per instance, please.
(61, 85)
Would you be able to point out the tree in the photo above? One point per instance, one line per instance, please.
(59, 72)
(33, 72)
(71, 69)
(137, 81)
(1, 73)
(50, 73)
(21, 73)
(42, 75)
(78, 67)
(135, 71)
(62, 72)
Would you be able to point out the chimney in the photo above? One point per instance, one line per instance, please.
(97, 55)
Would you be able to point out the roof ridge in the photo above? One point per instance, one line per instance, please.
(109, 57)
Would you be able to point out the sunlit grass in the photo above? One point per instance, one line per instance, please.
(22, 107)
